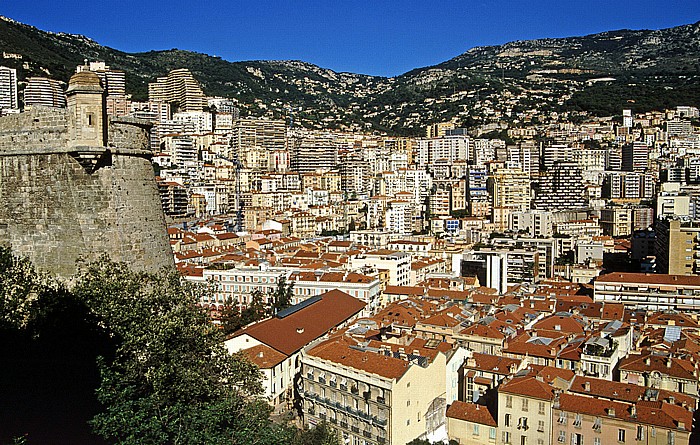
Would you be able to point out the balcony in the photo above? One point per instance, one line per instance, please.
(381, 400)
(367, 434)
(377, 421)
(344, 425)
(355, 429)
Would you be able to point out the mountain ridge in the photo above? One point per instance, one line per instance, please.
(484, 85)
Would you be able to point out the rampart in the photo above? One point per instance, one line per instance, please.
(74, 184)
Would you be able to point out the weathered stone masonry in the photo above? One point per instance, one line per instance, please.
(75, 184)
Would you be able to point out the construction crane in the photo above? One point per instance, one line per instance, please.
(239, 200)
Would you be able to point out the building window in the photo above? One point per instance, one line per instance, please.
(540, 408)
(640, 432)
(506, 437)
(540, 426)
(525, 405)
(507, 420)
(577, 421)
(620, 435)
(671, 438)
(562, 437)
(476, 430)
(492, 433)
(509, 401)
(596, 441)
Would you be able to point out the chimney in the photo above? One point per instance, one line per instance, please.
(260, 354)
(587, 386)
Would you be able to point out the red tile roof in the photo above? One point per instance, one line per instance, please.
(264, 356)
(641, 278)
(293, 332)
(471, 412)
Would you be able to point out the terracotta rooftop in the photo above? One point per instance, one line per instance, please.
(528, 386)
(471, 412)
(337, 350)
(264, 356)
(646, 278)
(293, 332)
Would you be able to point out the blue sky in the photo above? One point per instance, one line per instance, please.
(363, 36)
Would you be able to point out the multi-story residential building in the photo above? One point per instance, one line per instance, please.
(44, 92)
(556, 153)
(448, 148)
(374, 392)
(362, 287)
(471, 424)
(677, 247)
(478, 200)
(535, 223)
(398, 264)
(658, 371)
(525, 410)
(398, 217)
(510, 191)
(525, 156)
(560, 187)
(174, 198)
(635, 157)
(649, 291)
(582, 420)
(8, 89)
(275, 344)
(616, 221)
(179, 87)
(622, 186)
(589, 159)
(308, 153)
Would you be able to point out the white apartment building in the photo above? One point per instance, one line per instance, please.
(398, 264)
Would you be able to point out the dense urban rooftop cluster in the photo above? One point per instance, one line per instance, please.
(538, 286)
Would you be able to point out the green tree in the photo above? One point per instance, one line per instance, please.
(282, 295)
(170, 380)
(322, 434)
(256, 310)
(19, 285)
(230, 318)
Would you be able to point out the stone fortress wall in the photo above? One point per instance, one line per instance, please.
(76, 184)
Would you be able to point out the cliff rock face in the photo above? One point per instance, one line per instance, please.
(76, 184)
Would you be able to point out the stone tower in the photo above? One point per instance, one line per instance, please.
(75, 183)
